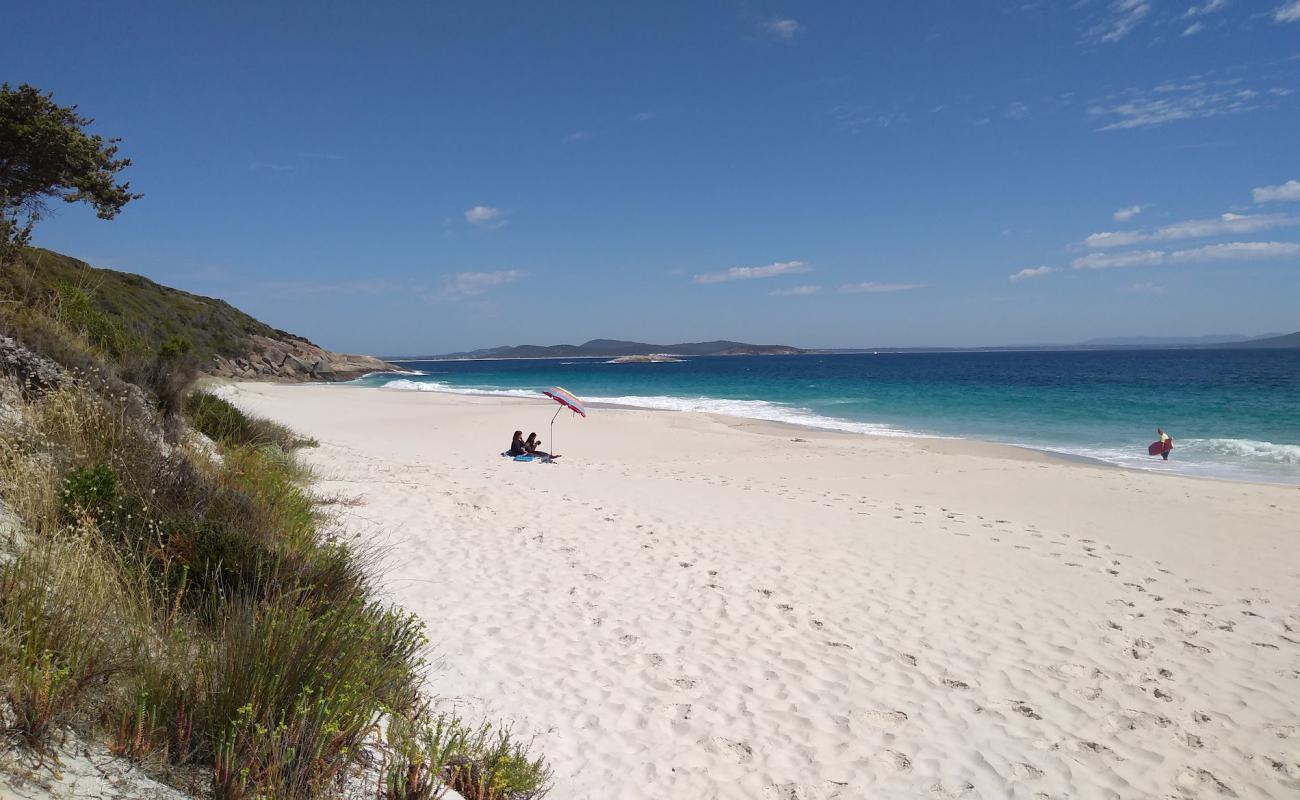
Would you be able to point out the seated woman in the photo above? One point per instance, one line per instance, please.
(517, 447)
(531, 447)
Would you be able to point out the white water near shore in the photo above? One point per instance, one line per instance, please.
(1231, 459)
(694, 605)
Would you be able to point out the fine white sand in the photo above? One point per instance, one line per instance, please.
(694, 606)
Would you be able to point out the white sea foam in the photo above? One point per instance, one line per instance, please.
(1248, 449)
(753, 409)
(402, 384)
(747, 409)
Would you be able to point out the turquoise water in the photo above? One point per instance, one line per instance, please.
(1232, 413)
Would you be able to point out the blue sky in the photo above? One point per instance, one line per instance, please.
(403, 178)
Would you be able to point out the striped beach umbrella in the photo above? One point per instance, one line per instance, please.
(566, 399)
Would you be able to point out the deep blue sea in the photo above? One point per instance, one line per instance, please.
(1232, 413)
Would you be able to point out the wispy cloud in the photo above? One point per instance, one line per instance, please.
(270, 166)
(1017, 110)
(871, 287)
(1140, 258)
(485, 217)
(1224, 225)
(1030, 272)
(1174, 101)
(854, 118)
(1207, 7)
(1235, 251)
(1230, 251)
(1286, 192)
(1144, 287)
(1194, 28)
(323, 288)
(577, 136)
(784, 29)
(795, 291)
(1127, 213)
(469, 284)
(1287, 12)
(1122, 17)
(750, 273)
(642, 116)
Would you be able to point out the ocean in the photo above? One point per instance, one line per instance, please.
(1233, 414)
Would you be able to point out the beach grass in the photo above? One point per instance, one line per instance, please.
(192, 605)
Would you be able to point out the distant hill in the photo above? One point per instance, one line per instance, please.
(614, 348)
(129, 314)
(1284, 341)
(1163, 341)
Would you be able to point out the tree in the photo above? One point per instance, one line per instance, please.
(46, 153)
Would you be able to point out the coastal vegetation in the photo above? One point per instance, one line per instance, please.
(169, 585)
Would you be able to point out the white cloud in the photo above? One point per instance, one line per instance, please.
(1287, 12)
(1172, 101)
(781, 28)
(749, 273)
(1235, 251)
(1208, 7)
(1124, 16)
(577, 136)
(1138, 258)
(1030, 272)
(485, 216)
(795, 291)
(871, 287)
(1230, 251)
(1194, 28)
(1017, 110)
(1272, 194)
(1128, 212)
(1224, 225)
(466, 284)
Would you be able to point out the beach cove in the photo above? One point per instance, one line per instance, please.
(692, 605)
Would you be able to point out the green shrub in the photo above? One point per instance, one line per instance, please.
(91, 491)
(66, 620)
(296, 688)
(223, 422)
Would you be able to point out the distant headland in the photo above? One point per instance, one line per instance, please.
(614, 348)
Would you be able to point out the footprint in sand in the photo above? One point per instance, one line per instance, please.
(740, 751)
(894, 761)
(883, 719)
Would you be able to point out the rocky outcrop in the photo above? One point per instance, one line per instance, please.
(35, 374)
(294, 359)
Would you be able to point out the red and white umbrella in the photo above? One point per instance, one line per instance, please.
(566, 399)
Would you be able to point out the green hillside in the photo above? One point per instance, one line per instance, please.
(123, 312)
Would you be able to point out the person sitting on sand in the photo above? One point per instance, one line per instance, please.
(1166, 443)
(517, 447)
(531, 447)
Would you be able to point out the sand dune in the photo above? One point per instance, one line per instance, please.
(693, 607)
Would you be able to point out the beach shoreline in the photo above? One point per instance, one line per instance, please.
(698, 605)
(1005, 449)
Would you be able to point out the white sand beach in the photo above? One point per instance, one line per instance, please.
(695, 606)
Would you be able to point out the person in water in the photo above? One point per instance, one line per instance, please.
(531, 447)
(1166, 443)
(517, 447)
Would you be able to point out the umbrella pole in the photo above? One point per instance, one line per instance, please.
(557, 413)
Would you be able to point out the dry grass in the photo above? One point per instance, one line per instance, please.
(200, 615)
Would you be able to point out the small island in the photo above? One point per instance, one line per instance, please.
(652, 358)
